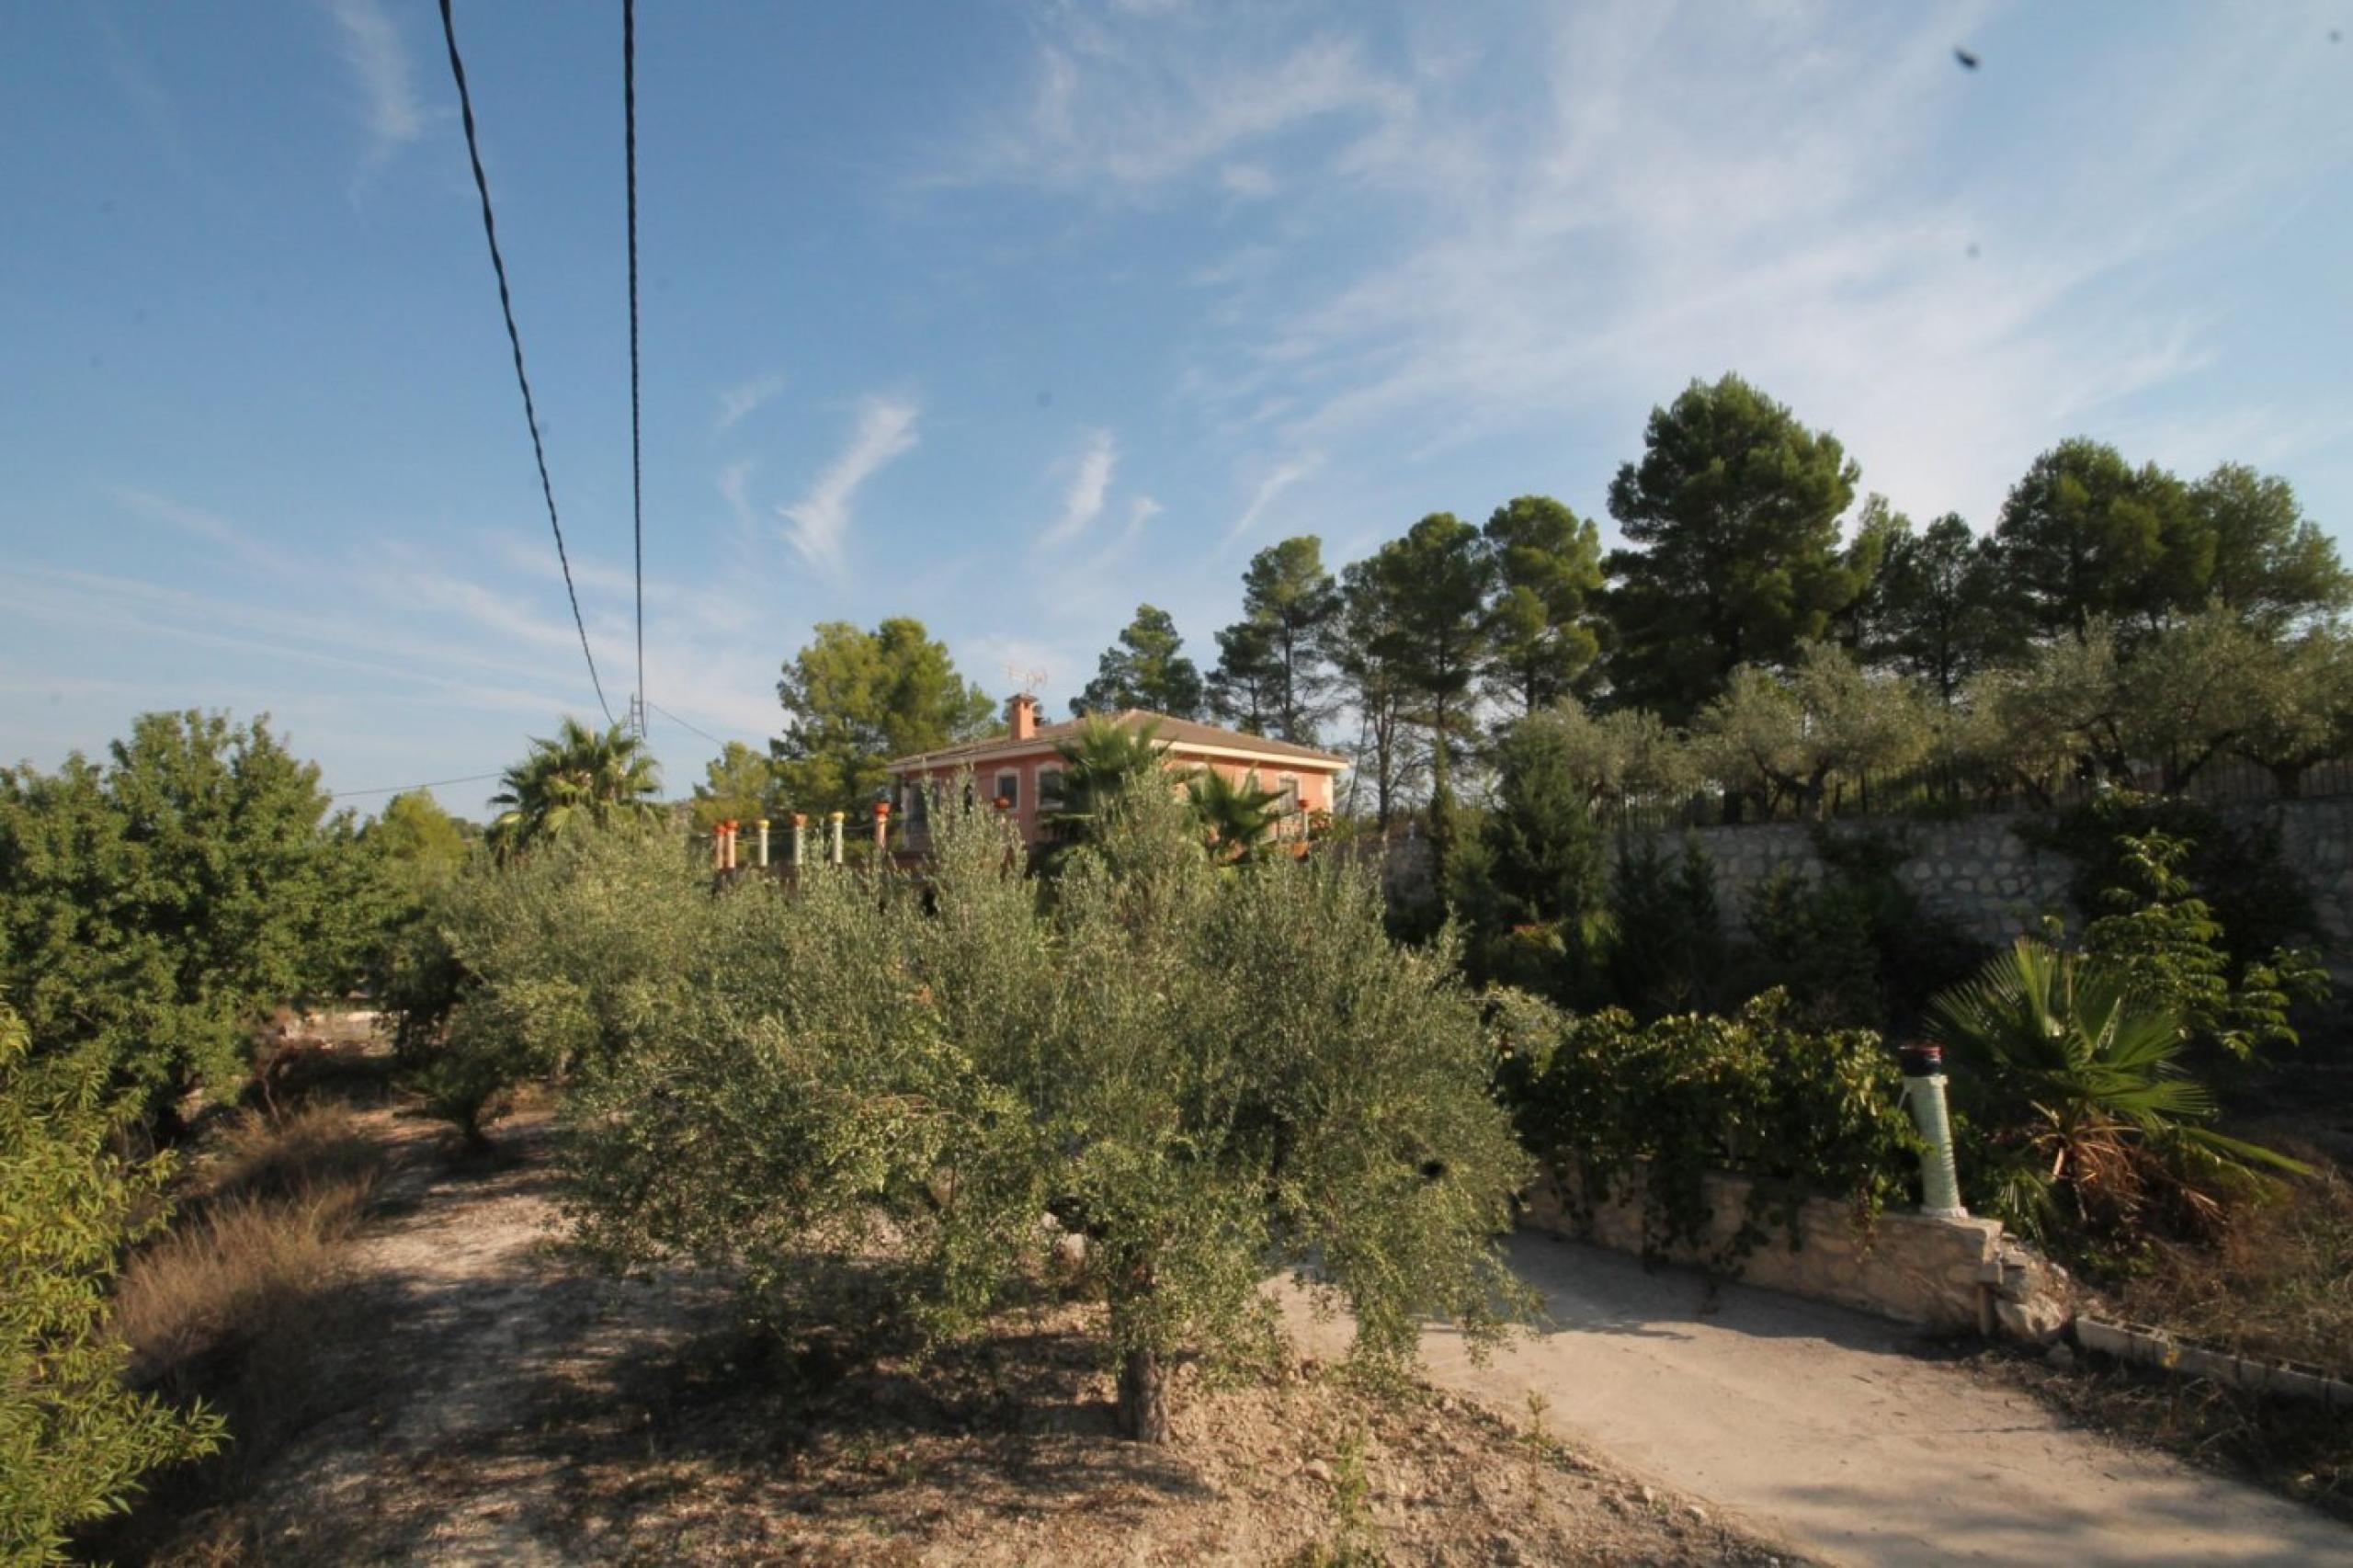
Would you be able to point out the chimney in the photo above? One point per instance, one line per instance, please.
(1021, 713)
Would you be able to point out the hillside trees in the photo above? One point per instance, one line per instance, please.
(1734, 555)
(2085, 537)
(738, 785)
(154, 908)
(1542, 633)
(1273, 673)
(1371, 659)
(2270, 565)
(854, 699)
(1433, 585)
(1147, 669)
(1944, 609)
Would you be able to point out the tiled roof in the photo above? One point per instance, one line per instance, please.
(1183, 733)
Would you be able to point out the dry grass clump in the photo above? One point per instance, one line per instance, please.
(254, 1245)
(318, 1145)
(246, 1302)
(241, 1269)
(2277, 1280)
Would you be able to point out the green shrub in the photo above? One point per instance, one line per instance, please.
(1852, 947)
(1805, 1113)
(154, 909)
(1205, 1073)
(2168, 941)
(74, 1438)
(550, 963)
(2251, 892)
(1665, 948)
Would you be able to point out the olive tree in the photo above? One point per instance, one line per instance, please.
(1209, 1074)
(2029, 726)
(2193, 690)
(1627, 753)
(1828, 722)
(547, 966)
(2305, 715)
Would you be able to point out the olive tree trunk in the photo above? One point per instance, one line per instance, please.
(1144, 1391)
(1144, 1398)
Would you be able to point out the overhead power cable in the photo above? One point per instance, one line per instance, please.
(405, 788)
(515, 341)
(706, 735)
(636, 459)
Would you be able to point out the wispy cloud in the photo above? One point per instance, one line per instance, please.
(886, 430)
(389, 106)
(1269, 491)
(1630, 195)
(224, 536)
(1144, 509)
(745, 398)
(1090, 482)
(734, 484)
(1130, 108)
(1140, 511)
(1252, 182)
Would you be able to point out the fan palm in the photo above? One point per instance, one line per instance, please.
(1238, 817)
(1099, 763)
(582, 777)
(2090, 1094)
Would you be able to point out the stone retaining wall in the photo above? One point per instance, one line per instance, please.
(1977, 872)
(1945, 1274)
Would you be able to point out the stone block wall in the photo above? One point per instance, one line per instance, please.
(1977, 872)
(1974, 871)
(2316, 840)
(1960, 1275)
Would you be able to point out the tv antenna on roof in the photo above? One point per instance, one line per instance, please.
(1027, 681)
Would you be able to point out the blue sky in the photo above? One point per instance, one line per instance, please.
(1009, 316)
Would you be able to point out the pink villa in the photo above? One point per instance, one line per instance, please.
(1023, 767)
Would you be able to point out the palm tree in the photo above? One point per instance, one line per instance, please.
(1099, 764)
(1238, 818)
(2090, 1099)
(583, 778)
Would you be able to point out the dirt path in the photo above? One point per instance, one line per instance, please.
(501, 1405)
(444, 1460)
(1822, 1427)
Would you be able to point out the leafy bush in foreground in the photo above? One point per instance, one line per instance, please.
(73, 1439)
(1206, 1073)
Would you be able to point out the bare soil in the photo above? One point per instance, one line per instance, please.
(504, 1404)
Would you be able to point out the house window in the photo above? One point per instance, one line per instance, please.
(918, 805)
(1050, 790)
(1008, 789)
(1287, 793)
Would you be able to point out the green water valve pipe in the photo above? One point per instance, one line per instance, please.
(1923, 1091)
